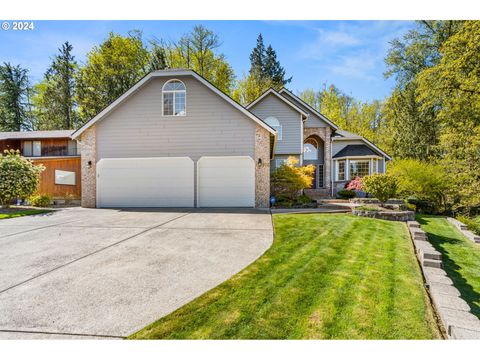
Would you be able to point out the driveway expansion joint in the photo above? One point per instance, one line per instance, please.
(62, 333)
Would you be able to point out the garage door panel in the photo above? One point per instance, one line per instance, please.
(226, 181)
(145, 182)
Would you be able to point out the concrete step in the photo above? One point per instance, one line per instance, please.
(432, 263)
(457, 318)
(413, 224)
(439, 279)
(430, 254)
(459, 333)
(437, 288)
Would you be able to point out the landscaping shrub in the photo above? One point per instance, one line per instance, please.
(355, 184)
(346, 194)
(288, 180)
(426, 183)
(473, 224)
(421, 205)
(40, 200)
(19, 177)
(380, 186)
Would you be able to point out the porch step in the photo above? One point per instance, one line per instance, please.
(317, 194)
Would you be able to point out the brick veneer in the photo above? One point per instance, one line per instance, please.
(262, 170)
(88, 146)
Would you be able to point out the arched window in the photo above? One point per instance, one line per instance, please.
(275, 124)
(174, 98)
(310, 150)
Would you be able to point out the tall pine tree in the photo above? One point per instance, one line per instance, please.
(264, 64)
(54, 96)
(14, 98)
(273, 70)
(257, 58)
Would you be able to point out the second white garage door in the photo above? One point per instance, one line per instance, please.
(145, 182)
(227, 181)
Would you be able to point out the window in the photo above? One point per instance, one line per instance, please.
(174, 98)
(27, 148)
(275, 124)
(32, 148)
(359, 168)
(310, 150)
(64, 177)
(73, 148)
(341, 171)
(37, 148)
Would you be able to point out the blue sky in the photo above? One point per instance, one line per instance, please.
(348, 54)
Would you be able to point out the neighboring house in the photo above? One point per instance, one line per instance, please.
(57, 152)
(306, 134)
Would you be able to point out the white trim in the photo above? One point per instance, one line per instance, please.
(166, 73)
(272, 91)
(173, 92)
(301, 141)
(360, 157)
(316, 112)
(365, 141)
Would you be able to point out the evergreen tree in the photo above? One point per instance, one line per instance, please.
(257, 58)
(55, 107)
(14, 98)
(158, 60)
(273, 70)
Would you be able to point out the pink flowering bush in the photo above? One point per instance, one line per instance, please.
(355, 184)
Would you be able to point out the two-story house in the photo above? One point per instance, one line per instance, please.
(174, 139)
(306, 134)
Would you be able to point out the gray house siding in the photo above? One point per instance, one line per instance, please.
(312, 120)
(211, 127)
(292, 138)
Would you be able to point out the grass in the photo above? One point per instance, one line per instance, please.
(325, 277)
(461, 257)
(19, 213)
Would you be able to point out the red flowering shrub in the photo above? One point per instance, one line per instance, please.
(355, 184)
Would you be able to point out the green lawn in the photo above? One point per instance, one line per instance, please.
(461, 257)
(325, 277)
(19, 213)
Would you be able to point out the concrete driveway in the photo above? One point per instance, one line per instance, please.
(104, 273)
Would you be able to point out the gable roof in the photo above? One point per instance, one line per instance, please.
(282, 98)
(346, 135)
(355, 150)
(316, 112)
(44, 134)
(165, 73)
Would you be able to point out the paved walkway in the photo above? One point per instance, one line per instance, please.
(108, 273)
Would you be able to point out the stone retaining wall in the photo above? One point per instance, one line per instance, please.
(386, 215)
(454, 312)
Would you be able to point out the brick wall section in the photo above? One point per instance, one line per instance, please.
(262, 171)
(88, 148)
(325, 133)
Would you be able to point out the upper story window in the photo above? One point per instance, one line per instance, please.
(174, 98)
(275, 124)
(32, 148)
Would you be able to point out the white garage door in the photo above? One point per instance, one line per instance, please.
(226, 181)
(145, 182)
